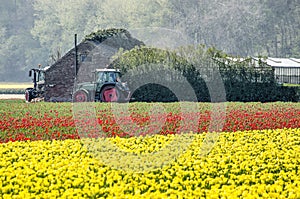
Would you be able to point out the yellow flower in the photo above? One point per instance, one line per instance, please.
(259, 166)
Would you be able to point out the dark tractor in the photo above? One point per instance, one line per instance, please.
(106, 87)
(38, 79)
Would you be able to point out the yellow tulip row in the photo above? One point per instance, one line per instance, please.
(250, 164)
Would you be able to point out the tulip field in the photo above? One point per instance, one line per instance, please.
(99, 150)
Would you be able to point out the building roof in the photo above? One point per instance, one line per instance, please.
(283, 62)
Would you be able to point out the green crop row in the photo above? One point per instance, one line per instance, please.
(12, 90)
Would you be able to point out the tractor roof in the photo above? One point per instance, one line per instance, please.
(41, 69)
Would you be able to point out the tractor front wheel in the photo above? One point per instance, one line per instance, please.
(110, 94)
(80, 96)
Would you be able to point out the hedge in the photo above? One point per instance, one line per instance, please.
(160, 75)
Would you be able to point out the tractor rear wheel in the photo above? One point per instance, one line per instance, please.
(80, 96)
(110, 94)
(28, 94)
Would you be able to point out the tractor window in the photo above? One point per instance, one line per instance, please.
(108, 77)
(104, 77)
(112, 77)
(101, 77)
(115, 77)
(41, 76)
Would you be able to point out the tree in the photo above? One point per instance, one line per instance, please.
(244, 28)
(16, 40)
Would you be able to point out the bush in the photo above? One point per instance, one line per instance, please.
(190, 74)
(259, 92)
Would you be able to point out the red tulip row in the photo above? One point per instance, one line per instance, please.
(57, 122)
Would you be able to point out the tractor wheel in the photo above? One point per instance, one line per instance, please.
(28, 94)
(80, 96)
(110, 94)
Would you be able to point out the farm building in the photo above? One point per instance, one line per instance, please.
(286, 70)
(94, 52)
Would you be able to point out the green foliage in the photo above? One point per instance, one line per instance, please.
(152, 72)
(154, 93)
(15, 39)
(261, 92)
(245, 70)
(158, 75)
(101, 35)
(31, 31)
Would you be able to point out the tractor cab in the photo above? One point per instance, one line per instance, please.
(38, 79)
